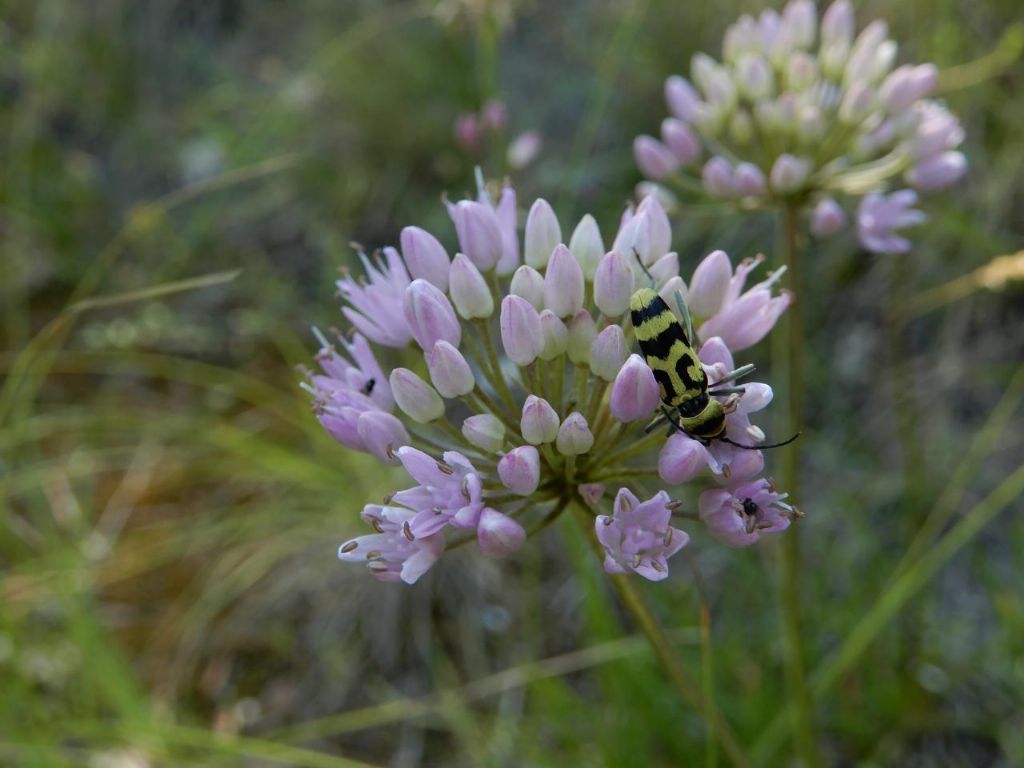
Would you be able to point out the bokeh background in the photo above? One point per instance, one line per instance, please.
(180, 181)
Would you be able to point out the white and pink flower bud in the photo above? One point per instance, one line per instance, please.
(574, 435)
(827, 218)
(498, 534)
(430, 316)
(608, 352)
(938, 172)
(449, 371)
(907, 84)
(717, 177)
(519, 470)
(485, 431)
(556, 335)
(654, 159)
(709, 284)
(469, 291)
(587, 246)
(539, 422)
(789, 173)
(382, 434)
(800, 22)
(521, 333)
(506, 215)
(542, 234)
(528, 283)
(635, 393)
(748, 180)
(681, 139)
(563, 283)
(425, 257)
(582, 332)
(681, 459)
(479, 234)
(754, 76)
(681, 97)
(613, 284)
(417, 399)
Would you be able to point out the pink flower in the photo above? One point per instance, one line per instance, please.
(450, 492)
(880, 216)
(740, 514)
(741, 318)
(393, 553)
(375, 303)
(638, 537)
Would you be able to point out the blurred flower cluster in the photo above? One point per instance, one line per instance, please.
(799, 114)
(474, 130)
(513, 393)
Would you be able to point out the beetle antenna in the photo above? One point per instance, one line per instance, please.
(759, 447)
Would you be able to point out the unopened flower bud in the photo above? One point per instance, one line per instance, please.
(556, 335)
(680, 138)
(682, 98)
(539, 422)
(528, 283)
(681, 459)
(470, 294)
(665, 268)
(608, 352)
(382, 434)
(506, 215)
(801, 72)
(591, 492)
(938, 172)
(741, 127)
(519, 470)
(430, 316)
(574, 436)
(654, 159)
(862, 62)
(789, 173)
(635, 394)
(587, 246)
(425, 256)
(799, 20)
(449, 370)
(563, 283)
(907, 84)
(754, 76)
(717, 177)
(582, 332)
(858, 102)
(499, 535)
(827, 219)
(479, 234)
(521, 333)
(709, 284)
(748, 180)
(613, 284)
(542, 234)
(417, 399)
(485, 431)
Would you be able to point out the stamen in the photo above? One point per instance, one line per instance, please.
(349, 547)
(407, 531)
(437, 511)
(674, 505)
(373, 554)
(375, 523)
(446, 469)
(668, 537)
(390, 451)
(377, 566)
(726, 472)
(321, 338)
(389, 497)
(657, 566)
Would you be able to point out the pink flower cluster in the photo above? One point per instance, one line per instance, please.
(519, 394)
(799, 112)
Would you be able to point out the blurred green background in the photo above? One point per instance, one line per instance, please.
(180, 180)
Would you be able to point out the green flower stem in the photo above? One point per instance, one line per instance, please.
(791, 347)
(681, 679)
(492, 357)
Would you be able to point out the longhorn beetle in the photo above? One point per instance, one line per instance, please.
(688, 401)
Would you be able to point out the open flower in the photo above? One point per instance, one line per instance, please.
(740, 514)
(515, 388)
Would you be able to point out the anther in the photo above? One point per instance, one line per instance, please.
(375, 523)
(390, 451)
(446, 469)
(407, 531)
(348, 547)
(674, 505)
(726, 472)
(373, 554)
(388, 497)
(657, 566)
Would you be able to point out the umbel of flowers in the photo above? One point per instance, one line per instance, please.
(507, 391)
(803, 114)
